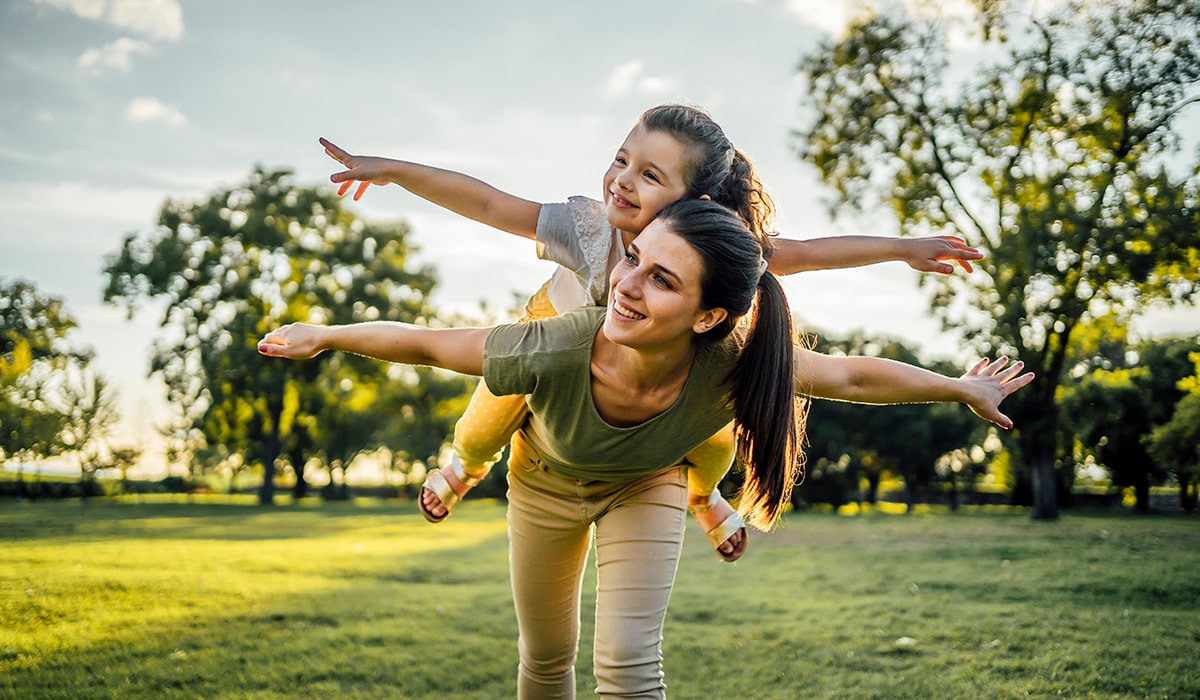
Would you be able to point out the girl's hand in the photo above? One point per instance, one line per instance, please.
(927, 254)
(988, 383)
(295, 341)
(365, 170)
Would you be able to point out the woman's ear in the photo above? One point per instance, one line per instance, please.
(709, 320)
(705, 198)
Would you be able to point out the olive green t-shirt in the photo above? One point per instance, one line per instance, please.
(550, 362)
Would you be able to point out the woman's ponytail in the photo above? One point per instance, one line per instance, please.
(769, 423)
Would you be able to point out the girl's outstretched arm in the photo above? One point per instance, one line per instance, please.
(456, 349)
(461, 194)
(921, 254)
(876, 380)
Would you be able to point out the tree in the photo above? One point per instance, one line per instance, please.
(231, 267)
(89, 409)
(36, 353)
(1176, 443)
(1110, 412)
(1060, 163)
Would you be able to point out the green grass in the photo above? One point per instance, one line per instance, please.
(224, 600)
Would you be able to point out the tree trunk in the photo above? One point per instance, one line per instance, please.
(266, 492)
(1187, 495)
(1141, 492)
(300, 489)
(1045, 486)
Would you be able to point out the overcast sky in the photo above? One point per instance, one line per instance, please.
(112, 106)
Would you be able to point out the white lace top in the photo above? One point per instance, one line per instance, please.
(576, 235)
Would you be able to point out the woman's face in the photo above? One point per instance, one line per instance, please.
(646, 175)
(654, 292)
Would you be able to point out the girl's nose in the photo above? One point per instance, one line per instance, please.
(622, 179)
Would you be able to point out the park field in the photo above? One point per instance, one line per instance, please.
(227, 600)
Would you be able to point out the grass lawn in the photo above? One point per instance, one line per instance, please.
(222, 600)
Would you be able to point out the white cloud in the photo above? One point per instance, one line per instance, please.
(150, 109)
(116, 56)
(830, 16)
(156, 19)
(630, 77)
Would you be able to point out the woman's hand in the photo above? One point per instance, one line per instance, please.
(295, 341)
(988, 383)
(365, 170)
(927, 254)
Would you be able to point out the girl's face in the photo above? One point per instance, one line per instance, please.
(646, 175)
(654, 293)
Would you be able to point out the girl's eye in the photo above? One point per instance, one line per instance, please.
(662, 282)
(651, 176)
(630, 259)
(619, 160)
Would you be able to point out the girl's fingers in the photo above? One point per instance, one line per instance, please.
(362, 188)
(345, 188)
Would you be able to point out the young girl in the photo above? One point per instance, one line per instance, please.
(673, 152)
(618, 395)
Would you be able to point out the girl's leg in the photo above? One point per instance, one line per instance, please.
(638, 541)
(480, 435)
(548, 544)
(707, 465)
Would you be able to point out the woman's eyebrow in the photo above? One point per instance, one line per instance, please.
(666, 270)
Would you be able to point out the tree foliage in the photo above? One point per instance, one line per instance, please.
(1175, 444)
(248, 259)
(848, 443)
(52, 401)
(1060, 162)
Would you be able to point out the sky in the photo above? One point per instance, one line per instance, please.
(111, 107)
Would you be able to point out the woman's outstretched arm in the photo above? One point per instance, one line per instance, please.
(455, 349)
(876, 380)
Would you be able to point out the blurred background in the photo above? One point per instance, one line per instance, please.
(138, 138)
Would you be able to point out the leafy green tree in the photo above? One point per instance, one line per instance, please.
(1176, 443)
(1060, 162)
(243, 261)
(1112, 411)
(36, 351)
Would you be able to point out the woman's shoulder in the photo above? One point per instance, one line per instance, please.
(573, 329)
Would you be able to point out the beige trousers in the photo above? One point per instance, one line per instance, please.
(638, 531)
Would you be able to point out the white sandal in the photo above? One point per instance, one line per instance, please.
(438, 485)
(725, 529)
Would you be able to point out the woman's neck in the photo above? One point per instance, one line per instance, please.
(633, 385)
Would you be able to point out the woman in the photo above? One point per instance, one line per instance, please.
(618, 395)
